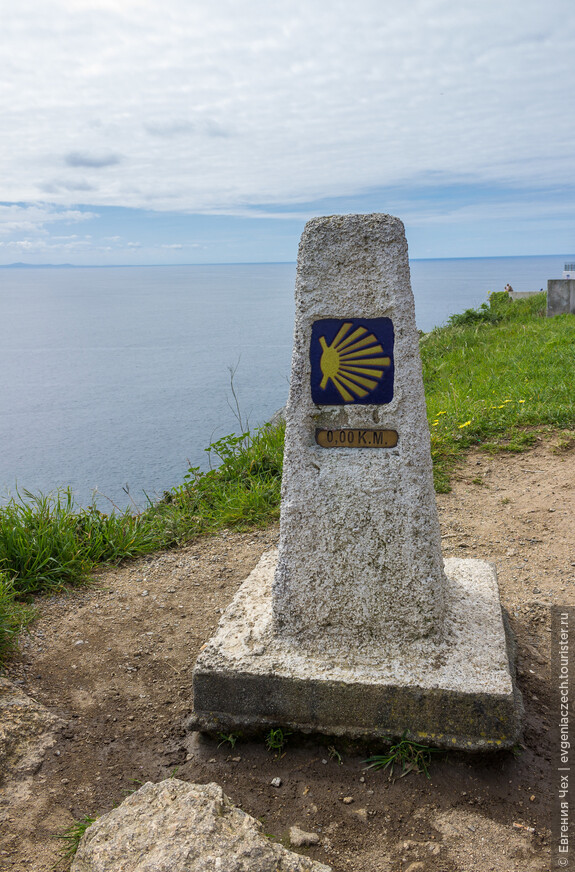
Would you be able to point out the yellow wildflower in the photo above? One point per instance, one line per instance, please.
(466, 424)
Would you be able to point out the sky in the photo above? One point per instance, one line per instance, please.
(188, 131)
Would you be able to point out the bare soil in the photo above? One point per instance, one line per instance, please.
(115, 660)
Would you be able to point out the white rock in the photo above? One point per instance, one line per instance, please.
(299, 838)
(174, 826)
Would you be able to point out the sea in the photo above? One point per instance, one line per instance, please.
(115, 380)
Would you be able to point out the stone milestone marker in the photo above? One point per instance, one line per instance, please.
(357, 627)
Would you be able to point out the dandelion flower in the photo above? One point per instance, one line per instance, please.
(465, 424)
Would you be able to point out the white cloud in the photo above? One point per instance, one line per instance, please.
(184, 105)
(44, 245)
(35, 218)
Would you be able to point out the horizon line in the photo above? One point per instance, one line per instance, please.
(24, 265)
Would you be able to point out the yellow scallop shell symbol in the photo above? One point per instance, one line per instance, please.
(353, 362)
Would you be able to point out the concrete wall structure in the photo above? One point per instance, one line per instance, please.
(560, 297)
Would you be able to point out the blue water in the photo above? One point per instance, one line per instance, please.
(117, 378)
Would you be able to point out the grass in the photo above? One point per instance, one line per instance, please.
(14, 616)
(71, 837)
(229, 739)
(276, 740)
(494, 378)
(409, 756)
(47, 543)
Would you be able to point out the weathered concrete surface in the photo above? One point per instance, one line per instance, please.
(359, 553)
(356, 628)
(560, 297)
(454, 693)
(175, 826)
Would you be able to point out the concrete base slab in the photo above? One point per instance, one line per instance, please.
(452, 692)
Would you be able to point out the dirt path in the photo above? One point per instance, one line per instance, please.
(115, 663)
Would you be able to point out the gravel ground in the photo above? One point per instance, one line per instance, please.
(114, 662)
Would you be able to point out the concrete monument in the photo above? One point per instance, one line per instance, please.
(357, 627)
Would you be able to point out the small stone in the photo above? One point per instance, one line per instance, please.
(418, 866)
(532, 798)
(299, 838)
(347, 800)
(236, 759)
(144, 593)
(79, 642)
(276, 782)
(361, 814)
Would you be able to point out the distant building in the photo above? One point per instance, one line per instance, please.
(569, 271)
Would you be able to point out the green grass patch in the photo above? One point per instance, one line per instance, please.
(46, 542)
(72, 836)
(276, 740)
(407, 755)
(492, 381)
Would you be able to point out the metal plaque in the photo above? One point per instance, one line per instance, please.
(356, 438)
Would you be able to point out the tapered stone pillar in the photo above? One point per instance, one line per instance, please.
(358, 627)
(360, 552)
